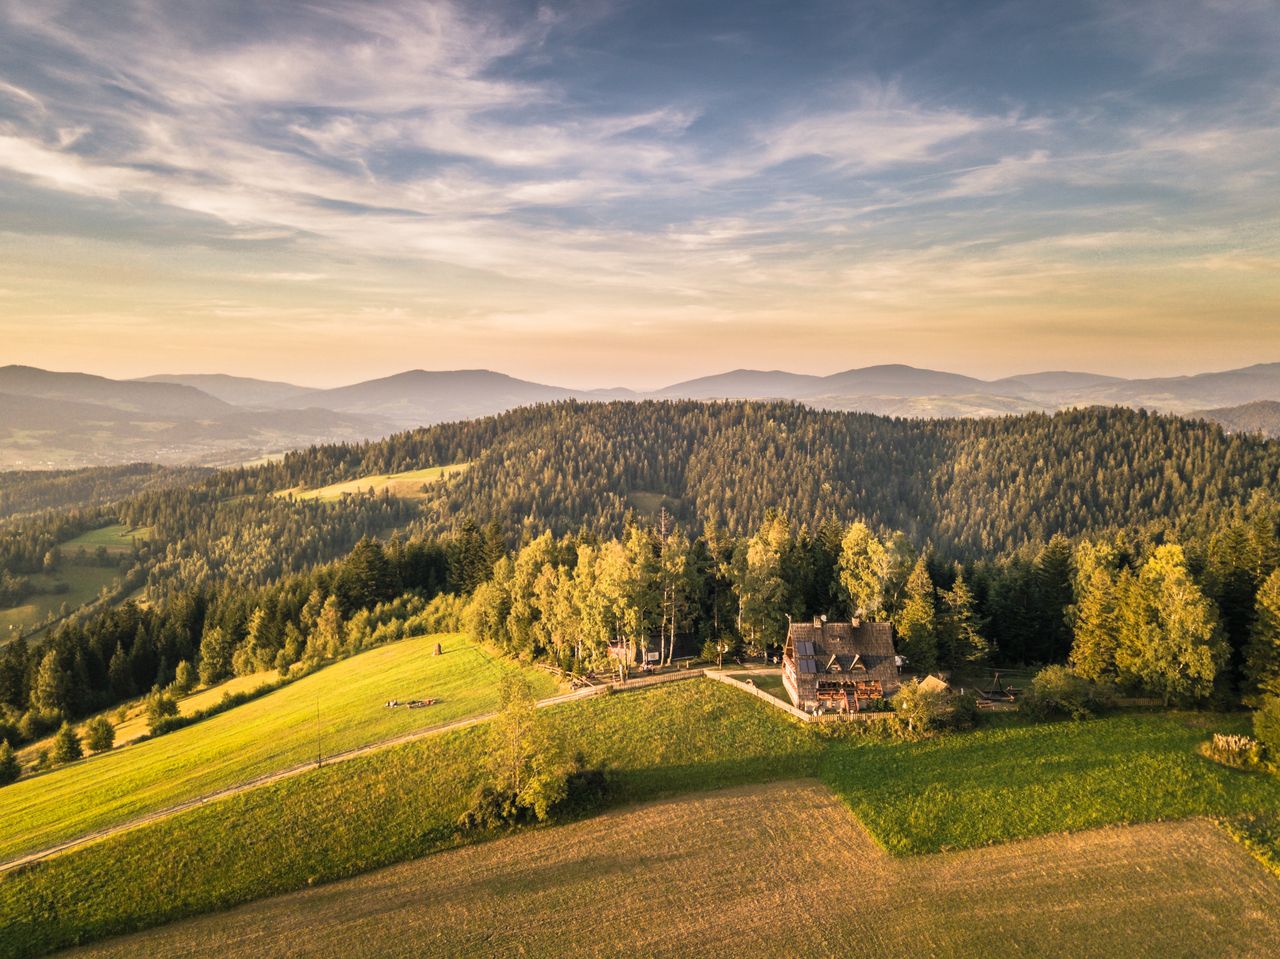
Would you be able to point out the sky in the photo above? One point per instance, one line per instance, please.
(604, 193)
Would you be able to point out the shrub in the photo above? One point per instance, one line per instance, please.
(1244, 752)
(922, 710)
(184, 678)
(35, 724)
(160, 706)
(1056, 691)
(100, 735)
(1266, 722)
(66, 745)
(964, 711)
(10, 770)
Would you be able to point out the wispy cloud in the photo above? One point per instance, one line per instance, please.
(471, 154)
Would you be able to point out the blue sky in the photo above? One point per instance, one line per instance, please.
(606, 193)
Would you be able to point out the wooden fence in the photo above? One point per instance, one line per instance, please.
(786, 707)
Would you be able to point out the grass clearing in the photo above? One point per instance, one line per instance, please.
(378, 809)
(1012, 780)
(274, 732)
(766, 682)
(116, 539)
(84, 583)
(772, 870)
(406, 485)
(134, 726)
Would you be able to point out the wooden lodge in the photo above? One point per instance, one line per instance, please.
(839, 666)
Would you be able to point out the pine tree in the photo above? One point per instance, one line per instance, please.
(10, 769)
(960, 638)
(215, 656)
(66, 745)
(119, 675)
(916, 621)
(1053, 575)
(1262, 658)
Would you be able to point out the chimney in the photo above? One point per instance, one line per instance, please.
(817, 623)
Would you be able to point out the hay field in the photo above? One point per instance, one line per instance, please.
(781, 869)
(406, 485)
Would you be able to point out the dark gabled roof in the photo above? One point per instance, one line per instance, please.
(864, 651)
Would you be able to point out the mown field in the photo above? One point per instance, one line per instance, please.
(406, 485)
(378, 809)
(776, 870)
(337, 708)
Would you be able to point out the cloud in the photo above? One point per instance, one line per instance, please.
(882, 130)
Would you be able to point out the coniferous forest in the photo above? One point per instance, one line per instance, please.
(1143, 549)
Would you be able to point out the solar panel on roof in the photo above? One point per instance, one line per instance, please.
(806, 664)
(804, 647)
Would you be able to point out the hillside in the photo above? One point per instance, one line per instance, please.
(679, 738)
(59, 420)
(967, 486)
(711, 889)
(421, 397)
(268, 734)
(1262, 417)
(236, 390)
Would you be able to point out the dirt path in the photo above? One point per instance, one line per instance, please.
(271, 778)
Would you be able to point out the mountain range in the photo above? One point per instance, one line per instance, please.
(50, 419)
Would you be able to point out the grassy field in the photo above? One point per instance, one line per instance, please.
(134, 726)
(770, 683)
(118, 538)
(1013, 780)
(274, 732)
(378, 809)
(407, 485)
(764, 871)
(84, 584)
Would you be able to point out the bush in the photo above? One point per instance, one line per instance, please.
(1266, 722)
(160, 706)
(1056, 692)
(1244, 752)
(964, 711)
(100, 735)
(185, 678)
(10, 770)
(922, 710)
(35, 724)
(66, 745)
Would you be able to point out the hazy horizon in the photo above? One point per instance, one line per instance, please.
(599, 193)
(312, 382)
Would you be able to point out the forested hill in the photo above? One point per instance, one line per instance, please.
(969, 487)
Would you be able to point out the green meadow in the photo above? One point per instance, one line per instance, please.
(1005, 781)
(83, 584)
(117, 538)
(377, 809)
(337, 708)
